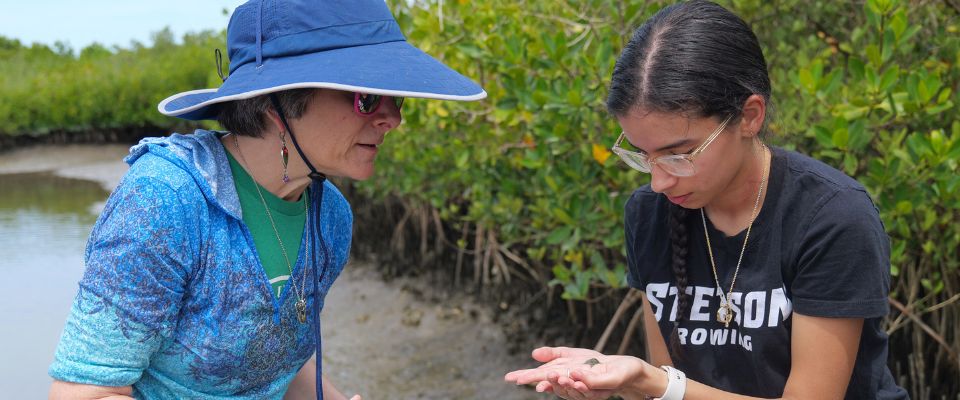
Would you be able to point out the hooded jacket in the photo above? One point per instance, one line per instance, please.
(174, 300)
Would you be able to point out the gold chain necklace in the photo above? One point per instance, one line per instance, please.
(301, 304)
(725, 312)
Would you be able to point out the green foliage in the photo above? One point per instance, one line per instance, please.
(867, 98)
(44, 90)
(881, 105)
(523, 161)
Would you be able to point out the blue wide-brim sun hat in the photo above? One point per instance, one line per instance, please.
(350, 45)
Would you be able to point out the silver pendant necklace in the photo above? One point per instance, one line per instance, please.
(301, 305)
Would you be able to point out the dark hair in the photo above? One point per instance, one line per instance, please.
(677, 223)
(247, 117)
(694, 58)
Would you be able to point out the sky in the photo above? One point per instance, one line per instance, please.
(108, 22)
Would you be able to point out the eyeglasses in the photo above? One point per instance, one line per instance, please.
(367, 104)
(673, 164)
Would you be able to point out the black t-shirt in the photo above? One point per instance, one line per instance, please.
(817, 247)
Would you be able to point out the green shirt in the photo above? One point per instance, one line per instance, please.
(290, 218)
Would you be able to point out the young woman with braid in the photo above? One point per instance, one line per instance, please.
(764, 273)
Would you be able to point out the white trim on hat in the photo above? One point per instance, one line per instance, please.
(303, 85)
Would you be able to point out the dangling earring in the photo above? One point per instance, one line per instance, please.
(284, 155)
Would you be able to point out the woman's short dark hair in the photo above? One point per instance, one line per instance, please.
(696, 58)
(247, 117)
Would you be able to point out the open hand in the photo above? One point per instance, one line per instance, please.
(579, 374)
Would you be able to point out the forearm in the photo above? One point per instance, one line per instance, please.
(331, 392)
(823, 354)
(69, 390)
(699, 391)
(653, 383)
(303, 386)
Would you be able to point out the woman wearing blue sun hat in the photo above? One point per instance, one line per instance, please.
(206, 271)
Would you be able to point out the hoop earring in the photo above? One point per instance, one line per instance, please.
(284, 155)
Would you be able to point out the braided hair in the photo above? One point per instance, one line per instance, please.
(677, 226)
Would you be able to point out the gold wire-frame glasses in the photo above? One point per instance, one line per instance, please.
(673, 164)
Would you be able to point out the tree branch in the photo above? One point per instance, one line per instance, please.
(926, 328)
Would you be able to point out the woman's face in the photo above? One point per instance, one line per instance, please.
(337, 140)
(658, 134)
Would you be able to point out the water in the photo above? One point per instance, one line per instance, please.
(44, 223)
(380, 339)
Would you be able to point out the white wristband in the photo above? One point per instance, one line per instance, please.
(676, 384)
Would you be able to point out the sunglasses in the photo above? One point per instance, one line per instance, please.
(367, 104)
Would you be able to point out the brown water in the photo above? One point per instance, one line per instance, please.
(380, 340)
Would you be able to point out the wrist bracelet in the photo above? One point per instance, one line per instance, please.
(676, 384)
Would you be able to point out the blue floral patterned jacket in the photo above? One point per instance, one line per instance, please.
(174, 300)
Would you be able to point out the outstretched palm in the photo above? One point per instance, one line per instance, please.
(578, 374)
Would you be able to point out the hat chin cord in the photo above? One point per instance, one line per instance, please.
(318, 178)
